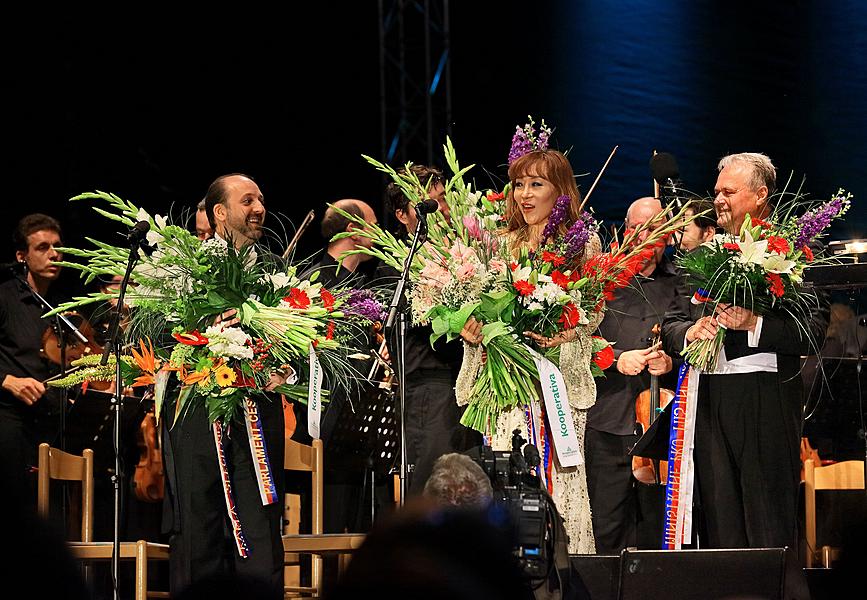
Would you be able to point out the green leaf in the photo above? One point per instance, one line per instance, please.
(494, 330)
(458, 319)
(497, 306)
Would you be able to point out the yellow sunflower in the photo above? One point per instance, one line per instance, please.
(225, 376)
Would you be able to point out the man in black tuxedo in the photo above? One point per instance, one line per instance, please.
(748, 416)
(201, 540)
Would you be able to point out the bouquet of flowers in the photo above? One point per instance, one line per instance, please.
(180, 291)
(760, 268)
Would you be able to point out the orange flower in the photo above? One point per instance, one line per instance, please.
(197, 376)
(147, 362)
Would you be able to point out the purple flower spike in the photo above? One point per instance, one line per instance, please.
(520, 145)
(525, 139)
(579, 233)
(363, 303)
(558, 215)
(813, 222)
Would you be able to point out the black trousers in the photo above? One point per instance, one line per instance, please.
(202, 545)
(432, 423)
(611, 489)
(747, 460)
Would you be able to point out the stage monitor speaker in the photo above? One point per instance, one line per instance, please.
(599, 573)
(736, 574)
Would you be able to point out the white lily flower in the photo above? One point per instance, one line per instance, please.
(751, 250)
(277, 280)
(154, 238)
(522, 274)
(777, 263)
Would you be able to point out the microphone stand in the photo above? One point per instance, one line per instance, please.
(113, 346)
(672, 188)
(397, 312)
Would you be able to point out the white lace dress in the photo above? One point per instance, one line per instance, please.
(569, 483)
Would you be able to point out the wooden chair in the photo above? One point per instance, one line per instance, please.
(300, 457)
(54, 464)
(847, 475)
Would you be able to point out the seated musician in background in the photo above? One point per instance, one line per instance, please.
(344, 487)
(330, 275)
(29, 412)
(611, 422)
(701, 228)
(203, 226)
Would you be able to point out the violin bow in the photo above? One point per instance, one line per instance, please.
(304, 225)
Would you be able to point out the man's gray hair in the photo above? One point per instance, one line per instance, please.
(457, 480)
(762, 170)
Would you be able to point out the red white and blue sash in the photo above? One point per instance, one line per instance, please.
(677, 523)
(237, 533)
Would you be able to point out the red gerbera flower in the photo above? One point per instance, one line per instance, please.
(553, 258)
(776, 284)
(761, 223)
(778, 244)
(570, 316)
(327, 299)
(494, 196)
(297, 298)
(604, 358)
(560, 279)
(732, 246)
(525, 288)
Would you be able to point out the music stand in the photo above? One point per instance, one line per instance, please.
(89, 421)
(367, 438)
(654, 442)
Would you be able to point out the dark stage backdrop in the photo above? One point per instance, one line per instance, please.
(153, 107)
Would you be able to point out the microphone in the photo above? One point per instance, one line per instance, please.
(531, 455)
(663, 166)
(139, 232)
(18, 266)
(427, 206)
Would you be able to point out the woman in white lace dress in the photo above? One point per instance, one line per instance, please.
(538, 178)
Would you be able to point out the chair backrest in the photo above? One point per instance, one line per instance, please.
(300, 457)
(846, 475)
(310, 459)
(57, 464)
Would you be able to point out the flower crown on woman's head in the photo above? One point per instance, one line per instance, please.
(526, 139)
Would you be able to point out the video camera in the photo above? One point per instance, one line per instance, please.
(529, 509)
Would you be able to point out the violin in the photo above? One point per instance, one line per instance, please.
(149, 478)
(648, 405)
(75, 349)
